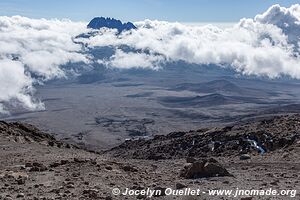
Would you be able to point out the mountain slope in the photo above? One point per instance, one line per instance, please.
(34, 169)
(262, 137)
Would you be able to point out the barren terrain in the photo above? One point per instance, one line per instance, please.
(36, 166)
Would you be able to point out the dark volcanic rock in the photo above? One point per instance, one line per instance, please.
(26, 133)
(101, 22)
(245, 157)
(38, 167)
(204, 168)
(91, 193)
(249, 138)
(179, 186)
(128, 168)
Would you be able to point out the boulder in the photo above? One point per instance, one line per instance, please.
(214, 169)
(204, 168)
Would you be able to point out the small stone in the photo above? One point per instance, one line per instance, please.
(21, 181)
(93, 162)
(247, 198)
(38, 167)
(28, 164)
(128, 168)
(78, 160)
(275, 182)
(141, 196)
(76, 174)
(63, 162)
(51, 143)
(70, 186)
(86, 183)
(55, 190)
(180, 186)
(21, 195)
(92, 193)
(245, 157)
(285, 155)
(190, 160)
(53, 165)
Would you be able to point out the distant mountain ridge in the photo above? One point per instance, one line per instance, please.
(102, 22)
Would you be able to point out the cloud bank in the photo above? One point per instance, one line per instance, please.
(267, 45)
(127, 60)
(32, 51)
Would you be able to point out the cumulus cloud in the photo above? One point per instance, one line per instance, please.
(34, 48)
(16, 85)
(287, 19)
(266, 45)
(127, 60)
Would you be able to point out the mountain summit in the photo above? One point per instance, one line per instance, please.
(100, 22)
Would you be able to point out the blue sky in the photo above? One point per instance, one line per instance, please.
(136, 10)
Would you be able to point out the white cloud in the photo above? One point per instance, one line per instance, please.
(128, 60)
(31, 46)
(264, 45)
(16, 85)
(287, 19)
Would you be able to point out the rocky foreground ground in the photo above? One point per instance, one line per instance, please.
(258, 155)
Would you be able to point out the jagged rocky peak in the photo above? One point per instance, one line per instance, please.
(101, 22)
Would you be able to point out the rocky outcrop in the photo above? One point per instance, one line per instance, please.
(101, 22)
(26, 133)
(237, 140)
(203, 169)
